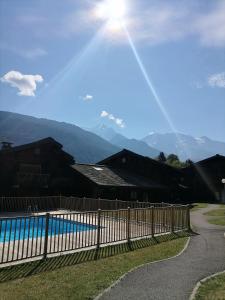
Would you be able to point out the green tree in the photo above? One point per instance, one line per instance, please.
(172, 158)
(161, 157)
(174, 161)
(188, 163)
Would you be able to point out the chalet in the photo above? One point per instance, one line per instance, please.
(41, 167)
(205, 179)
(44, 168)
(152, 170)
(102, 181)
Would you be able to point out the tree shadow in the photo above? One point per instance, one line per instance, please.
(52, 263)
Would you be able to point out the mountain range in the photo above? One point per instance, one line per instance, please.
(119, 140)
(185, 146)
(93, 145)
(84, 146)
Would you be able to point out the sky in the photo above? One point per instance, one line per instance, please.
(138, 66)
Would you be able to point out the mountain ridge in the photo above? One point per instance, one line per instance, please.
(93, 145)
(185, 146)
(86, 147)
(119, 140)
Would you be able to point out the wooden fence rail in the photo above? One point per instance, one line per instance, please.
(40, 235)
(35, 204)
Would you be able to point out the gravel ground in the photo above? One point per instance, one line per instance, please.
(175, 278)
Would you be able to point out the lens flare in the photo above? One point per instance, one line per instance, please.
(113, 12)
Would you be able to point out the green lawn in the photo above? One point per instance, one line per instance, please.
(199, 205)
(66, 278)
(217, 216)
(213, 288)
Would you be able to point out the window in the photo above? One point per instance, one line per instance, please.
(133, 195)
(145, 196)
(30, 168)
(37, 151)
(124, 160)
(98, 168)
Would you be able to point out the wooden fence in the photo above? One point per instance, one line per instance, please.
(35, 204)
(40, 235)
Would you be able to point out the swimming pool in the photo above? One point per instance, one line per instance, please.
(34, 227)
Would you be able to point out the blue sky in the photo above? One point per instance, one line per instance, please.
(63, 60)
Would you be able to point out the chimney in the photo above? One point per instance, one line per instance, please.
(6, 145)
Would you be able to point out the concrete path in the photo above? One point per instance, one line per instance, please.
(175, 278)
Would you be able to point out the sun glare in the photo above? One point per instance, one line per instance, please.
(113, 12)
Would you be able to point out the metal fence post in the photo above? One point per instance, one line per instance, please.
(128, 226)
(117, 204)
(46, 236)
(98, 229)
(172, 219)
(117, 209)
(164, 209)
(153, 221)
(83, 204)
(188, 218)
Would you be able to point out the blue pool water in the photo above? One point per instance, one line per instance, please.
(24, 228)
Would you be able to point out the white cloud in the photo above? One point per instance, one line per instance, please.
(30, 53)
(111, 117)
(26, 84)
(88, 97)
(166, 22)
(211, 26)
(104, 114)
(33, 53)
(217, 80)
(153, 22)
(119, 122)
(160, 22)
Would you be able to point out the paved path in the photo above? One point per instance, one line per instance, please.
(175, 278)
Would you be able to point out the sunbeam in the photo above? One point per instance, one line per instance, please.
(161, 106)
(65, 74)
(76, 61)
(148, 81)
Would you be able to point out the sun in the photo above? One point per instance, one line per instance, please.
(113, 12)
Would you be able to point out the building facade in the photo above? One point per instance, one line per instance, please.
(38, 168)
(206, 179)
(103, 181)
(173, 180)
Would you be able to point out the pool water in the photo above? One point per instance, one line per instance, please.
(34, 227)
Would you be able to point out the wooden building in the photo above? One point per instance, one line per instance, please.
(43, 168)
(205, 179)
(38, 168)
(102, 181)
(169, 177)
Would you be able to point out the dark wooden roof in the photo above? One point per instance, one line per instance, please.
(211, 158)
(145, 158)
(107, 176)
(205, 161)
(48, 140)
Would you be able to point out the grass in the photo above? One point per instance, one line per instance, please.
(198, 206)
(213, 288)
(63, 278)
(217, 216)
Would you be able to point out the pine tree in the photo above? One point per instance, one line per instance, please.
(161, 157)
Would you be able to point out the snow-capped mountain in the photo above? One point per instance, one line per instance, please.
(185, 146)
(121, 141)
